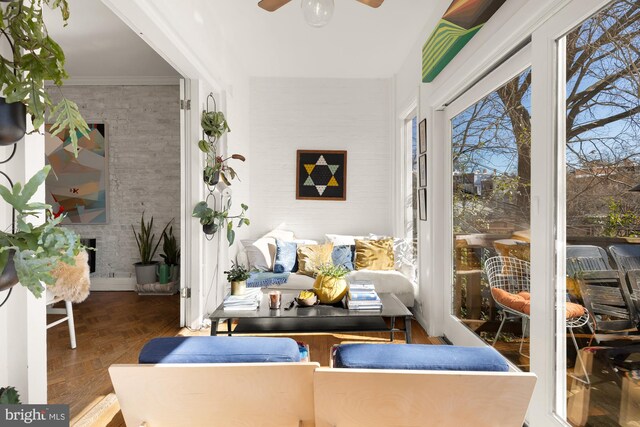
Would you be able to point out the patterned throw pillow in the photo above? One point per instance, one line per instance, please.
(402, 255)
(374, 254)
(343, 255)
(310, 257)
(286, 257)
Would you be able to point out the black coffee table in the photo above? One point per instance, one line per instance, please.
(319, 318)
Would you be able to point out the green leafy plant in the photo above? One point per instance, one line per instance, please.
(330, 270)
(9, 396)
(170, 249)
(37, 58)
(220, 167)
(237, 273)
(145, 240)
(221, 219)
(214, 124)
(38, 249)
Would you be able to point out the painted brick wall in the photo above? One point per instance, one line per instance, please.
(143, 132)
(333, 114)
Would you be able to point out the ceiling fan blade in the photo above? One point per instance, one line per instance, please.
(272, 5)
(372, 3)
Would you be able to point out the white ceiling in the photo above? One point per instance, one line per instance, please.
(97, 44)
(359, 42)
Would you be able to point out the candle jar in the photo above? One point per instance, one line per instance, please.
(275, 300)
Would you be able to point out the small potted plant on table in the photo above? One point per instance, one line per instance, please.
(237, 276)
(330, 284)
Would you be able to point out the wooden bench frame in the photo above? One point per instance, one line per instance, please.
(303, 394)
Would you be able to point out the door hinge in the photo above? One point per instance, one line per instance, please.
(185, 105)
(185, 293)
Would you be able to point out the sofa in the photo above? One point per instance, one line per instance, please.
(260, 254)
(257, 381)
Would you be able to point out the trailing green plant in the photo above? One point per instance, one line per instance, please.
(9, 396)
(221, 219)
(36, 58)
(38, 249)
(214, 124)
(170, 249)
(330, 270)
(145, 240)
(237, 273)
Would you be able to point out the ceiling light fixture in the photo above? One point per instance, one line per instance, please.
(317, 13)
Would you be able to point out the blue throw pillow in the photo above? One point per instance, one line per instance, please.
(343, 255)
(286, 257)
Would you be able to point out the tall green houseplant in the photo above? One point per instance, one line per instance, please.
(35, 58)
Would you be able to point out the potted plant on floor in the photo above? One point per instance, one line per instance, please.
(171, 254)
(35, 58)
(331, 285)
(30, 253)
(237, 276)
(146, 267)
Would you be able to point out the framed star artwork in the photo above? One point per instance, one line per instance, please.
(321, 175)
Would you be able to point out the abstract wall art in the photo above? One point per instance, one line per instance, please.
(77, 187)
(321, 175)
(462, 20)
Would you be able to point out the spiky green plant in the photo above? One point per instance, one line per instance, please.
(9, 396)
(38, 249)
(145, 240)
(330, 270)
(170, 249)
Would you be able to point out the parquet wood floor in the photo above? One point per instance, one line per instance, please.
(112, 327)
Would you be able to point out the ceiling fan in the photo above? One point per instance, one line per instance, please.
(316, 12)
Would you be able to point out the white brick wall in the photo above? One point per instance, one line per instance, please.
(332, 114)
(143, 131)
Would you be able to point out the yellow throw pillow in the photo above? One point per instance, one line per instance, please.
(310, 257)
(374, 254)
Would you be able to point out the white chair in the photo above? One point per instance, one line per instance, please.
(514, 275)
(67, 312)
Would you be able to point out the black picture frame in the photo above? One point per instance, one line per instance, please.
(422, 203)
(422, 170)
(321, 175)
(422, 136)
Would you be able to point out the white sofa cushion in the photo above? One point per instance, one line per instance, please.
(262, 252)
(384, 281)
(343, 239)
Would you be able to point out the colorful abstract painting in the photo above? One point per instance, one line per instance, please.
(321, 175)
(462, 20)
(77, 187)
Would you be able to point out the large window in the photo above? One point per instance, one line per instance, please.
(491, 155)
(603, 217)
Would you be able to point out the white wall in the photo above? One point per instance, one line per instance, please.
(320, 114)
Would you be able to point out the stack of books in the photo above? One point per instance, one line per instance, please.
(250, 300)
(363, 296)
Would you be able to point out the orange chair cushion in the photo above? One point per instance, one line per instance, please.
(522, 302)
(512, 301)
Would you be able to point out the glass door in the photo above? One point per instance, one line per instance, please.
(488, 130)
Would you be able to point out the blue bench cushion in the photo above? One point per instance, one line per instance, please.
(419, 357)
(219, 350)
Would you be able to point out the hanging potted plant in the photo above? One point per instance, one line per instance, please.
(35, 58)
(213, 220)
(146, 268)
(31, 253)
